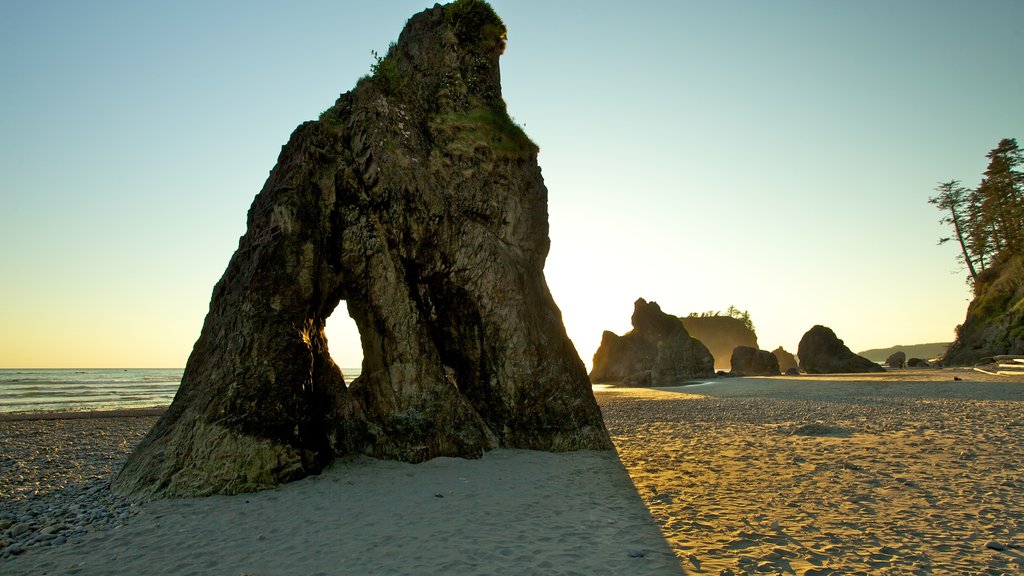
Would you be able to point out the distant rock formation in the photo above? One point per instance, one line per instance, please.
(896, 360)
(747, 361)
(821, 352)
(786, 360)
(420, 204)
(657, 352)
(930, 350)
(721, 335)
(917, 363)
(995, 318)
(794, 371)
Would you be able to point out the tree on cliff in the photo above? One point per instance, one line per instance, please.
(731, 312)
(989, 225)
(988, 222)
(1000, 198)
(953, 198)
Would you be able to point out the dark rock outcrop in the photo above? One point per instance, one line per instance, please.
(995, 318)
(794, 371)
(821, 352)
(917, 363)
(786, 360)
(721, 335)
(747, 361)
(657, 352)
(417, 202)
(896, 360)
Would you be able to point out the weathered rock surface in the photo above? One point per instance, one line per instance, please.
(747, 361)
(896, 360)
(821, 352)
(721, 335)
(917, 363)
(786, 360)
(995, 318)
(417, 202)
(657, 352)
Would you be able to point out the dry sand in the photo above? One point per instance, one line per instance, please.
(898, 473)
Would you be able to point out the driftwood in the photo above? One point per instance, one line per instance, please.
(1013, 363)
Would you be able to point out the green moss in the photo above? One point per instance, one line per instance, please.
(474, 21)
(1002, 294)
(385, 72)
(330, 119)
(484, 127)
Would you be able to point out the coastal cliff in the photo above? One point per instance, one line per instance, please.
(995, 318)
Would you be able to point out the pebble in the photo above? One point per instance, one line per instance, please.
(637, 553)
(17, 530)
(53, 495)
(993, 545)
(48, 520)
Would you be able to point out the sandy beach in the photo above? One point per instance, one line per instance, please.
(511, 512)
(905, 472)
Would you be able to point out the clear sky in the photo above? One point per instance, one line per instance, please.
(774, 156)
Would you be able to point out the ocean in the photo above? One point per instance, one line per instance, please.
(74, 390)
(69, 390)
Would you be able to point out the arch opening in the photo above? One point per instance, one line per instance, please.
(343, 342)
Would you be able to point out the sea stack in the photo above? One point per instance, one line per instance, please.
(721, 335)
(658, 351)
(822, 352)
(417, 202)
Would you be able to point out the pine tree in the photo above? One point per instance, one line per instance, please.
(954, 199)
(988, 222)
(1001, 197)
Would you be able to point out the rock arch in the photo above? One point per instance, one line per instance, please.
(415, 202)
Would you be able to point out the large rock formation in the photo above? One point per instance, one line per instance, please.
(747, 361)
(420, 204)
(658, 351)
(786, 360)
(721, 335)
(897, 359)
(995, 318)
(821, 352)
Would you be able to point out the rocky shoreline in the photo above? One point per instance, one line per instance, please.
(55, 473)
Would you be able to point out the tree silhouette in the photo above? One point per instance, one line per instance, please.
(988, 222)
(953, 198)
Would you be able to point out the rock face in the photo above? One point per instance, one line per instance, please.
(995, 318)
(417, 202)
(721, 335)
(786, 360)
(657, 352)
(917, 363)
(747, 361)
(896, 360)
(821, 352)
